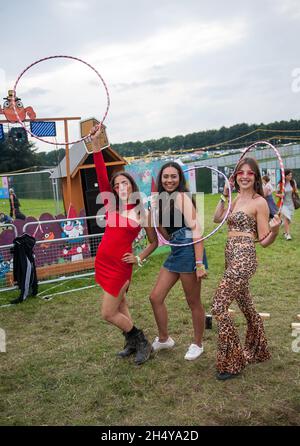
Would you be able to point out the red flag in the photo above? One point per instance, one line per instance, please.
(71, 212)
(153, 185)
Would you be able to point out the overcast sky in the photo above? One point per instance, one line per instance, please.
(171, 67)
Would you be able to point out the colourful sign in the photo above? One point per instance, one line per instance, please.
(143, 172)
(41, 128)
(4, 188)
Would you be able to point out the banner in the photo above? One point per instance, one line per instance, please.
(4, 188)
(143, 172)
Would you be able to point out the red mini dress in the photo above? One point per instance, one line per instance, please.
(111, 272)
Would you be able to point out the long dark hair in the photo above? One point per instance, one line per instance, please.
(286, 173)
(254, 166)
(182, 187)
(133, 185)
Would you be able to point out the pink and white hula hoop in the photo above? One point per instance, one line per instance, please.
(59, 57)
(166, 242)
(280, 165)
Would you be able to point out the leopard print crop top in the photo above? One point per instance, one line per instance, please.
(241, 222)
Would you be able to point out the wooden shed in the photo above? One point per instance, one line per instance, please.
(83, 179)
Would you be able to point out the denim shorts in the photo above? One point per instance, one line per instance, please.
(182, 258)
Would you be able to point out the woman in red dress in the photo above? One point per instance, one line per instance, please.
(114, 259)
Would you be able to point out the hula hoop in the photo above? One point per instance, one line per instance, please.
(59, 57)
(280, 164)
(166, 242)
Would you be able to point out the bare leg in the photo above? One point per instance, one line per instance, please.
(192, 290)
(165, 281)
(286, 223)
(111, 310)
(124, 307)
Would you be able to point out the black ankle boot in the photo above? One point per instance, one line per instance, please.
(18, 300)
(143, 348)
(129, 347)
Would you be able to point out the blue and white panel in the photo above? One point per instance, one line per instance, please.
(42, 128)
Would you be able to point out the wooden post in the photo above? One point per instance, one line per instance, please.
(65, 119)
(264, 315)
(69, 187)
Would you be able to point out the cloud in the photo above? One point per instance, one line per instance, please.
(171, 67)
(168, 46)
(155, 82)
(35, 92)
(289, 8)
(74, 6)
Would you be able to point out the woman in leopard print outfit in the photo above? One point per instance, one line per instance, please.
(249, 220)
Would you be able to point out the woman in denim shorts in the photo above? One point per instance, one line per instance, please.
(177, 221)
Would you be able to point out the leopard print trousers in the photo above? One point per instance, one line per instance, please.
(240, 265)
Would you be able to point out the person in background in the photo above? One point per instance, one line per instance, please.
(15, 206)
(5, 219)
(288, 207)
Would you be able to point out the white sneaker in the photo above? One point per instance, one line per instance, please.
(288, 237)
(157, 345)
(194, 352)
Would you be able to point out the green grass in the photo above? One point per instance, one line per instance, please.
(60, 367)
(33, 207)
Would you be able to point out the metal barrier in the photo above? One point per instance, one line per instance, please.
(6, 258)
(9, 225)
(57, 259)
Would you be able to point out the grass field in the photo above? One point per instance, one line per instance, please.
(33, 208)
(60, 366)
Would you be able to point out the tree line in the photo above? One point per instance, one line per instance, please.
(17, 156)
(207, 138)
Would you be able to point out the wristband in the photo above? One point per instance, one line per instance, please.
(263, 238)
(140, 262)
